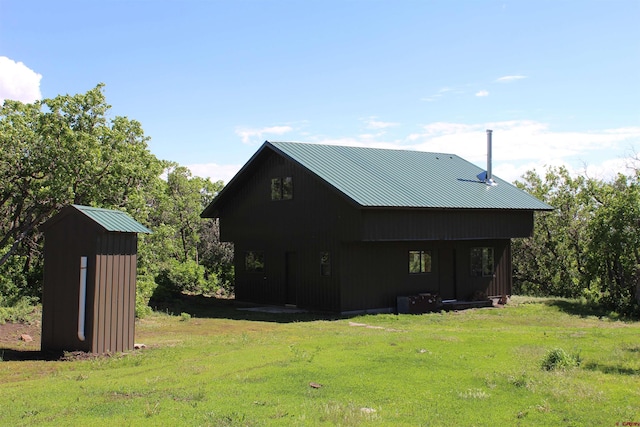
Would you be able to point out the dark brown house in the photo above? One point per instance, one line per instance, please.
(89, 291)
(349, 229)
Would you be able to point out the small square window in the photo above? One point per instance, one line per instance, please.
(276, 188)
(419, 262)
(282, 188)
(482, 264)
(325, 264)
(254, 261)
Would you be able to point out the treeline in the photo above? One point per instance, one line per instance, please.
(589, 246)
(67, 150)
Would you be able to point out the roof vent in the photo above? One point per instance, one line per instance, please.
(487, 177)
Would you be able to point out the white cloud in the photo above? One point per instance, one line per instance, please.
(482, 93)
(372, 123)
(521, 145)
(214, 171)
(18, 82)
(251, 135)
(506, 79)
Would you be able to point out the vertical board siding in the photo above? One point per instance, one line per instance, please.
(369, 247)
(429, 224)
(115, 290)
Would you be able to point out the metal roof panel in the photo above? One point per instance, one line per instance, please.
(112, 220)
(402, 178)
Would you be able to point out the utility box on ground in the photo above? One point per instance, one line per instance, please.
(89, 290)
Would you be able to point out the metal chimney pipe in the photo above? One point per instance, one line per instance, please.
(489, 178)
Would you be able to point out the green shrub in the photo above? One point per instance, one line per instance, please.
(145, 287)
(557, 358)
(24, 310)
(188, 277)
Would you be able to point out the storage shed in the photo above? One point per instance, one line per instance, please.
(89, 291)
(349, 228)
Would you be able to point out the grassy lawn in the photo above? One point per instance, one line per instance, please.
(224, 367)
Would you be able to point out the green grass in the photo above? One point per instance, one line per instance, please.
(478, 367)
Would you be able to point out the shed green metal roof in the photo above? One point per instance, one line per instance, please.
(112, 220)
(409, 179)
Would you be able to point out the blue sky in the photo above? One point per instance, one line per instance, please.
(557, 81)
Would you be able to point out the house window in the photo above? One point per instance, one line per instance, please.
(419, 262)
(482, 262)
(254, 261)
(282, 188)
(325, 264)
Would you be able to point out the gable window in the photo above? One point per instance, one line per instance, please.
(419, 262)
(482, 262)
(282, 188)
(254, 261)
(325, 264)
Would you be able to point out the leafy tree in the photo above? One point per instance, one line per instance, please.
(177, 243)
(614, 245)
(552, 262)
(61, 151)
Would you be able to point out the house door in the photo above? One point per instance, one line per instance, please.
(447, 273)
(291, 277)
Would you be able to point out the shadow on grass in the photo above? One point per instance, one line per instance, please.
(611, 369)
(220, 308)
(577, 308)
(11, 355)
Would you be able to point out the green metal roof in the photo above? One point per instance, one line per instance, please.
(112, 220)
(401, 178)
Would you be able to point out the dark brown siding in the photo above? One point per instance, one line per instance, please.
(369, 246)
(114, 303)
(423, 224)
(375, 274)
(467, 285)
(111, 281)
(310, 223)
(65, 242)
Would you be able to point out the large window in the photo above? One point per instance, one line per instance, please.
(282, 188)
(254, 261)
(419, 262)
(325, 264)
(482, 262)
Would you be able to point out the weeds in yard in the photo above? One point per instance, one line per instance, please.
(474, 393)
(520, 381)
(557, 358)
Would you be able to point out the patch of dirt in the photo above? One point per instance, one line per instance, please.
(11, 333)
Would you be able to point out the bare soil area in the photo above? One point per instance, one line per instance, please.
(16, 336)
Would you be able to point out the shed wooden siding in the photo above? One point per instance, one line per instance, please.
(62, 284)
(110, 304)
(115, 293)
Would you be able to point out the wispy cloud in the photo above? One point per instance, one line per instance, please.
(18, 82)
(507, 79)
(373, 123)
(482, 93)
(248, 136)
(439, 94)
(521, 145)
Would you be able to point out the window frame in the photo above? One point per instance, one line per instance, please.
(281, 188)
(257, 261)
(425, 261)
(482, 261)
(325, 263)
